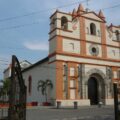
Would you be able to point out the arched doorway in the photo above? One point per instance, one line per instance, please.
(93, 90)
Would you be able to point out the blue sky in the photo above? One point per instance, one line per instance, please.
(30, 42)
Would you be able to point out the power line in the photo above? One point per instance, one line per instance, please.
(114, 6)
(3, 60)
(19, 26)
(41, 11)
(34, 23)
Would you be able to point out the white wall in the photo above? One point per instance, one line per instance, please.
(89, 37)
(52, 45)
(40, 72)
(52, 77)
(113, 53)
(67, 46)
(87, 60)
(90, 67)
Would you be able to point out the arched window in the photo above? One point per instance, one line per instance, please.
(92, 29)
(64, 23)
(117, 35)
(29, 84)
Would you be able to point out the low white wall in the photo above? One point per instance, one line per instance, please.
(109, 101)
(84, 102)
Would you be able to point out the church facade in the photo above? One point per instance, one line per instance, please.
(86, 55)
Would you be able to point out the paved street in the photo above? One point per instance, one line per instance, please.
(82, 113)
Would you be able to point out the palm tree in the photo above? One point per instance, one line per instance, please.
(43, 85)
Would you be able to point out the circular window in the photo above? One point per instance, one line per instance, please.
(94, 50)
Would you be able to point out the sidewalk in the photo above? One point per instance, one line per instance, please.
(70, 107)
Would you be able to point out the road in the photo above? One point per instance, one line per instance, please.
(82, 113)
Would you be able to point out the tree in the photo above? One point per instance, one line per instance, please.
(5, 88)
(43, 85)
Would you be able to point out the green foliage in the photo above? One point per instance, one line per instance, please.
(43, 86)
(6, 87)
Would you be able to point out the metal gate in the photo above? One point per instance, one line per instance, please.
(116, 101)
(17, 94)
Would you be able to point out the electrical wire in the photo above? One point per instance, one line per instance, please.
(41, 11)
(62, 6)
(34, 23)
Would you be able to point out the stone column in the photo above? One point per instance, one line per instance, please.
(83, 89)
(86, 86)
(108, 82)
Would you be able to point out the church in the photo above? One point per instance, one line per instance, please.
(86, 53)
(83, 61)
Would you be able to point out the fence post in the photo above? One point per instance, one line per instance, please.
(116, 101)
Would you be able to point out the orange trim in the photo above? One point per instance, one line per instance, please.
(103, 40)
(59, 45)
(59, 80)
(95, 15)
(82, 36)
(86, 57)
(76, 39)
(116, 79)
(83, 63)
(60, 29)
(94, 19)
(72, 65)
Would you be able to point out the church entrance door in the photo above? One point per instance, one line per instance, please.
(93, 90)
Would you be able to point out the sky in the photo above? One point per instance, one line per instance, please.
(24, 25)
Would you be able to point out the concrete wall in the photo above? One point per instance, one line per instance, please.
(39, 72)
(71, 46)
(52, 77)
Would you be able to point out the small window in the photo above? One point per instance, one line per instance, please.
(72, 71)
(115, 74)
(94, 50)
(117, 35)
(92, 29)
(72, 84)
(64, 23)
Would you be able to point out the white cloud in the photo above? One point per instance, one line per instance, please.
(36, 45)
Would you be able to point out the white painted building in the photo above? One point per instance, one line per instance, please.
(7, 72)
(83, 60)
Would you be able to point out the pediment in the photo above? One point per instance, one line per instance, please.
(94, 16)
